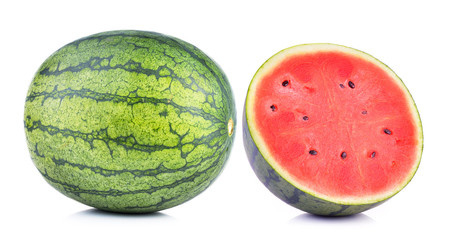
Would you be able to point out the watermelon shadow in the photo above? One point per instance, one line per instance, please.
(99, 214)
(355, 219)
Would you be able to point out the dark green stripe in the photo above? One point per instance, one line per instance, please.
(113, 192)
(94, 64)
(130, 99)
(128, 142)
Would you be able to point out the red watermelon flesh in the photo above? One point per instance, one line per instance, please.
(335, 122)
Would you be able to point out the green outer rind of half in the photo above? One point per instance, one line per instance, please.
(103, 130)
(293, 195)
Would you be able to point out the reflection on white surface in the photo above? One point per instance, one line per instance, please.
(104, 214)
(97, 216)
(306, 218)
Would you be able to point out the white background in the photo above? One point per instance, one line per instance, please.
(415, 38)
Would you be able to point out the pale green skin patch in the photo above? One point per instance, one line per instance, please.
(129, 121)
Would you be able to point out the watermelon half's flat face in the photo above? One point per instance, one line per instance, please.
(330, 129)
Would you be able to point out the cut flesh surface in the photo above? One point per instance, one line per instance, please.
(335, 122)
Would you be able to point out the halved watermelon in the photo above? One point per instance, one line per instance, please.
(330, 129)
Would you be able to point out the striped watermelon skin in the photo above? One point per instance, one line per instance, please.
(129, 121)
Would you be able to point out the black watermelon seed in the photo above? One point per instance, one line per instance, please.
(305, 118)
(285, 83)
(373, 154)
(341, 85)
(387, 131)
(364, 112)
(273, 107)
(313, 152)
(344, 155)
(351, 84)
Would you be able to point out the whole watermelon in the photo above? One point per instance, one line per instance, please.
(129, 121)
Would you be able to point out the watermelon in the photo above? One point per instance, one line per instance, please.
(129, 121)
(331, 130)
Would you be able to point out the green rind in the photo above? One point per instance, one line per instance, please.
(129, 121)
(287, 192)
